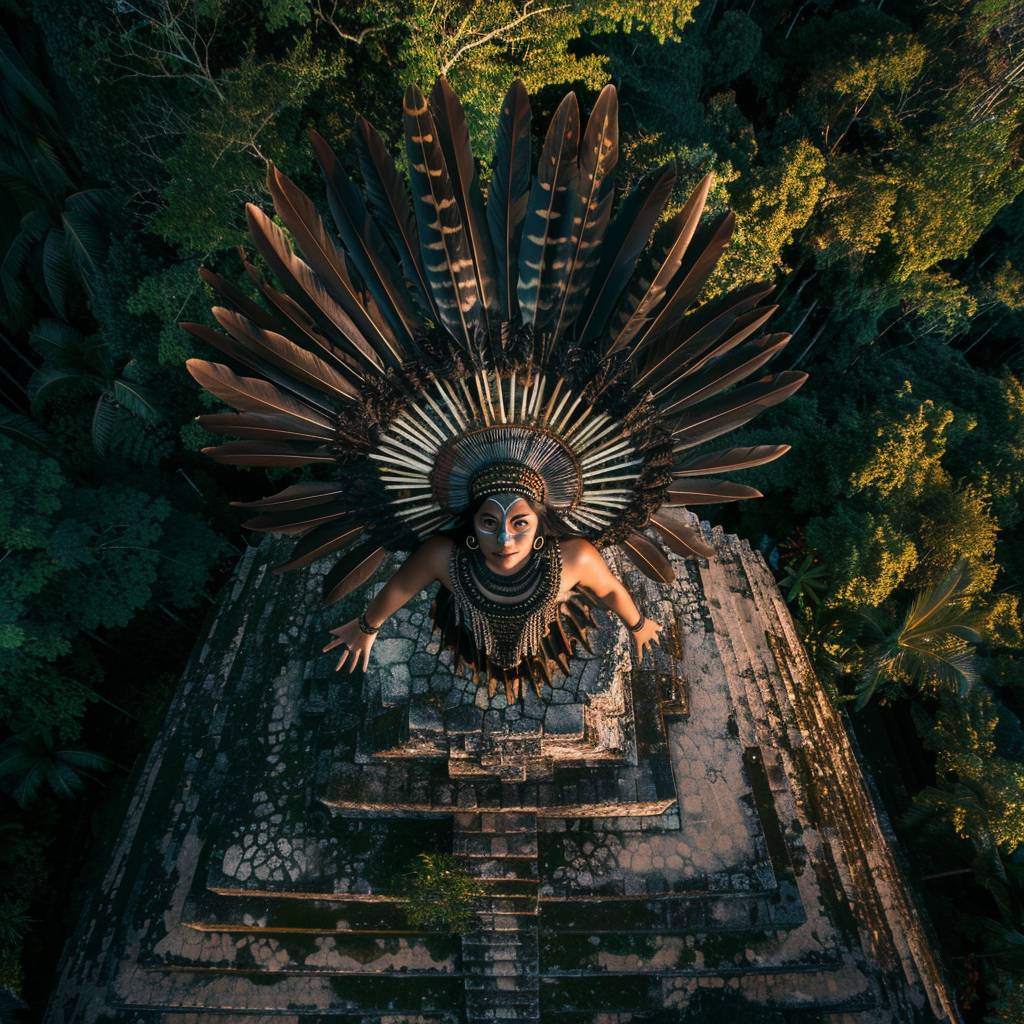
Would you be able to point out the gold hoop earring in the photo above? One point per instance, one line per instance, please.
(472, 543)
(538, 543)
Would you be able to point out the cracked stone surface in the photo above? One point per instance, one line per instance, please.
(651, 840)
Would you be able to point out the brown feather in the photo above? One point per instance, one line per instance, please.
(647, 558)
(727, 459)
(309, 368)
(682, 226)
(300, 520)
(324, 540)
(305, 288)
(249, 394)
(256, 426)
(722, 373)
(716, 416)
(235, 297)
(709, 492)
(266, 453)
(296, 496)
(680, 536)
(354, 569)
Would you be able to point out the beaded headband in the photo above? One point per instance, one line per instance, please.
(508, 478)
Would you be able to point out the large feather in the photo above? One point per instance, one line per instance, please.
(303, 330)
(257, 426)
(709, 492)
(234, 296)
(737, 365)
(599, 155)
(727, 459)
(352, 570)
(622, 245)
(638, 310)
(647, 558)
(300, 520)
(324, 540)
(718, 415)
(267, 453)
(252, 360)
(453, 134)
(296, 496)
(389, 204)
(550, 210)
(446, 254)
(508, 193)
(302, 285)
(277, 349)
(249, 394)
(696, 340)
(366, 248)
(680, 536)
(700, 260)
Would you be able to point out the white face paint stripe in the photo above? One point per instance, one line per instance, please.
(502, 528)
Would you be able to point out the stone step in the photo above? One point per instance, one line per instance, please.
(491, 845)
(724, 954)
(694, 913)
(354, 995)
(828, 991)
(228, 913)
(492, 869)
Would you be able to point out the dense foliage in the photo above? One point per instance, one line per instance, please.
(873, 156)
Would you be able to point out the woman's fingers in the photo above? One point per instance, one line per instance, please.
(332, 644)
(341, 660)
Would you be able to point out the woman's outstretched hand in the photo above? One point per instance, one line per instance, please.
(646, 634)
(354, 644)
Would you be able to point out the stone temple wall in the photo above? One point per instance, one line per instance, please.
(690, 838)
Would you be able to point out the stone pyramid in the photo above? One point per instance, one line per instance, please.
(691, 839)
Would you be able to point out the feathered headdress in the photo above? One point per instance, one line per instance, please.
(418, 344)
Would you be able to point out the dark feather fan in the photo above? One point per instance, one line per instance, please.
(431, 327)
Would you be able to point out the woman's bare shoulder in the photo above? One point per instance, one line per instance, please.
(577, 550)
(436, 550)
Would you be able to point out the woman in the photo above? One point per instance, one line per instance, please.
(511, 557)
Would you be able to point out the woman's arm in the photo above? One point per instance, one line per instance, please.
(429, 562)
(594, 574)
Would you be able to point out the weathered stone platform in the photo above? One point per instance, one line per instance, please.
(688, 839)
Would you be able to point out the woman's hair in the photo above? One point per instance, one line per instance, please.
(549, 523)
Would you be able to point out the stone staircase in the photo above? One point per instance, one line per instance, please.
(500, 962)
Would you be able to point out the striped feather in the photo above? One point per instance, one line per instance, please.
(645, 296)
(549, 215)
(352, 570)
(599, 155)
(389, 204)
(646, 556)
(446, 254)
(728, 459)
(453, 134)
(366, 248)
(679, 535)
(508, 193)
(623, 242)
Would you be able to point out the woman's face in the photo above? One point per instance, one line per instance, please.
(505, 526)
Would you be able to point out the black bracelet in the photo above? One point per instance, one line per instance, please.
(365, 626)
(639, 625)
